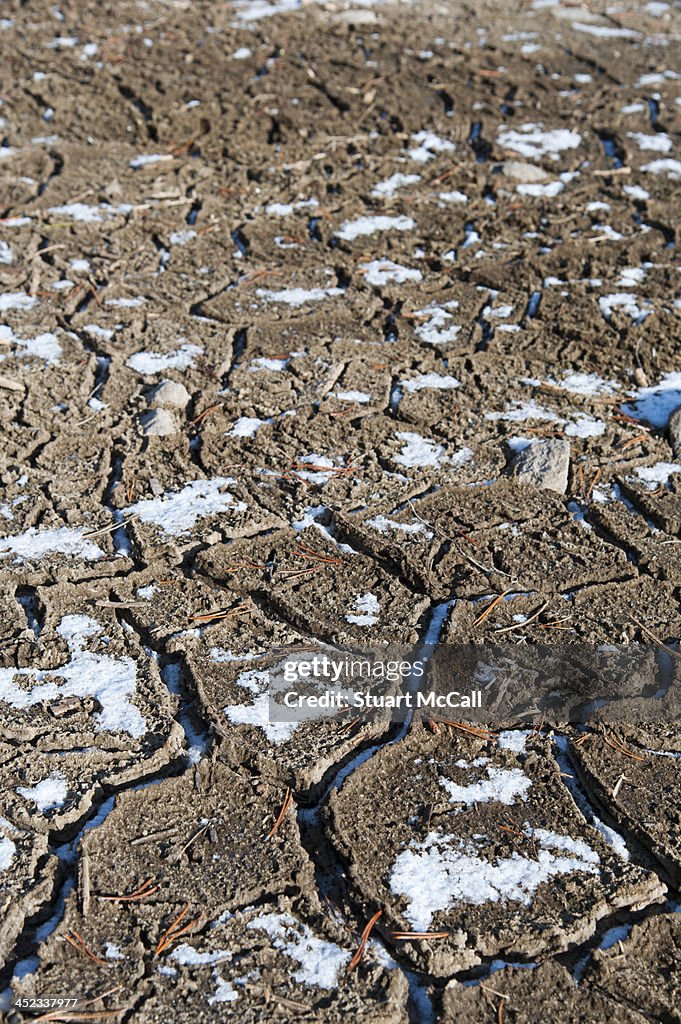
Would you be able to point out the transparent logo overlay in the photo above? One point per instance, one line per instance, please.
(491, 684)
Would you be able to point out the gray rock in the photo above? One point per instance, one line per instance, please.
(169, 392)
(522, 172)
(674, 430)
(544, 464)
(159, 423)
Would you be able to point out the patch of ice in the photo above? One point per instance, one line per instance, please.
(224, 990)
(258, 712)
(6, 255)
(439, 329)
(605, 31)
(243, 53)
(584, 426)
(429, 145)
(149, 158)
(519, 412)
(658, 474)
(286, 209)
(443, 871)
(548, 191)
(658, 143)
(111, 681)
(176, 512)
(654, 405)
(35, 544)
(125, 303)
(672, 168)
(16, 300)
(531, 141)
(365, 611)
(514, 739)
(146, 593)
(7, 852)
(149, 363)
(436, 381)
(352, 396)
(189, 957)
(636, 192)
(380, 272)
(453, 197)
(247, 426)
(43, 346)
(319, 464)
(502, 785)
(321, 962)
(627, 302)
(387, 188)
(264, 363)
(181, 237)
(47, 795)
(383, 524)
(297, 296)
(352, 229)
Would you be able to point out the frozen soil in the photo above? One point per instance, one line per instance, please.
(286, 286)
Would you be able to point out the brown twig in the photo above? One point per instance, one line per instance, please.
(288, 800)
(364, 938)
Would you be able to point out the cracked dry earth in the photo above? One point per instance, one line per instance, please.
(334, 322)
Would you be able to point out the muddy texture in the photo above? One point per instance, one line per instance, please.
(323, 323)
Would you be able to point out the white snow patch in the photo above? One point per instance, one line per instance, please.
(387, 188)
(636, 192)
(605, 31)
(189, 957)
(16, 300)
(365, 612)
(176, 512)
(383, 524)
(47, 795)
(548, 191)
(155, 362)
(352, 229)
(258, 712)
(111, 681)
(352, 396)
(247, 426)
(654, 405)
(34, 544)
(531, 141)
(380, 272)
(658, 143)
(321, 962)
(421, 451)
(502, 785)
(149, 158)
(657, 474)
(7, 851)
(429, 145)
(513, 739)
(436, 381)
(627, 302)
(297, 296)
(443, 871)
(181, 237)
(439, 328)
(43, 346)
(585, 426)
(672, 168)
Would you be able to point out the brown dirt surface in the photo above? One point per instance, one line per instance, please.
(286, 286)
